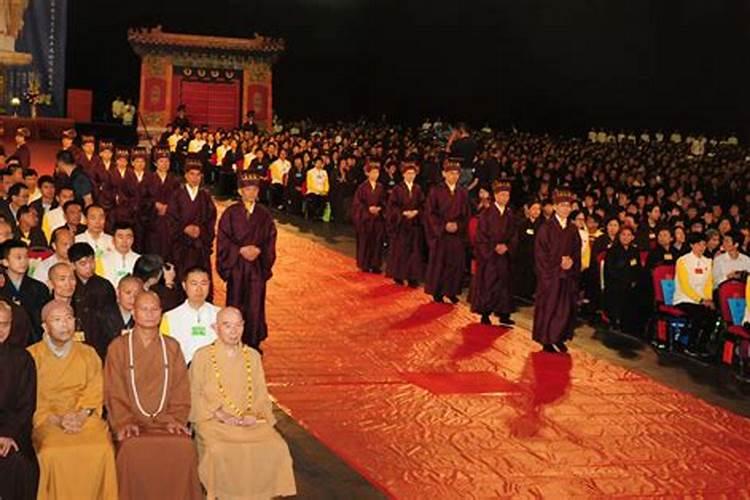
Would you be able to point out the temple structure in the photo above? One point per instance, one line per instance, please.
(218, 79)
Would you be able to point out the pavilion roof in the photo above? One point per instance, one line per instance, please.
(157, 39)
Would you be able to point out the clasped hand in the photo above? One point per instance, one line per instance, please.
(250, 252)
(229, 419)
(566, 263)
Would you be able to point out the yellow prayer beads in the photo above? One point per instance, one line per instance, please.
(228, 403)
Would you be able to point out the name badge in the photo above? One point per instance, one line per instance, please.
(530, 231)
(198, 331)
(79, 336)
(633, 262)
(122, 273)
(698, 270)
(99, 253)
(667, 256)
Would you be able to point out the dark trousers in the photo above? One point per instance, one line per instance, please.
(316, 204)
(277, 195)
(702, 320)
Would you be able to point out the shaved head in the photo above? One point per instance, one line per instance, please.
(55, 306)
(228, 313)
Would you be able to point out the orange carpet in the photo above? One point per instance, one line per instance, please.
(426, 403)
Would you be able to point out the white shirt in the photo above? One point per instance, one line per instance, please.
(724, 265)
(117, 265)
(101, 246)
(192, 191)
(500, 209)
(563, 222)
(40, 270)
(53, 219)
(192, 328)
(696, 271)
(196, 145)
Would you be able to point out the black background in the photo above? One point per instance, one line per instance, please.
(539, 64)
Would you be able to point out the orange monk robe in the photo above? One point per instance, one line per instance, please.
(77, 466)
(155, 465)
(237, 463)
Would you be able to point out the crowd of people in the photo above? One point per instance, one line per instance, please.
(115, 248)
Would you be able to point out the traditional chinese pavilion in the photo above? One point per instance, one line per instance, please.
(218, 79)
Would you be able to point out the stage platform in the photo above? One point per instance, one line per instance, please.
(426, 403)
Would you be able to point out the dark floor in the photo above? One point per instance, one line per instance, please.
(321, 474)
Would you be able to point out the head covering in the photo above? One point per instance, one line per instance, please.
(452, 164)
(161, 152)
(106, 145)
(139, 153)
(69, 134)
(499, 186)
(372, 165)
(247, 179)
(24, 132)
(88, 138)
(122, 153)
(563, 195)
(409, 165)
(193, 164)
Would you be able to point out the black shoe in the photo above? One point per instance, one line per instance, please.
(561, 347)
(506, 321)
(374, 270)
(413, 284)
(453, 299)
(399, 282)
(438, 298)
(485, 319)
(548, 348)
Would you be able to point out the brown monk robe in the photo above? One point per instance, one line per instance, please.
(368, 210)
(446, 221)
(120, 190)
(191, 216)
(405, 232)
(18, 469)
(557, 255)
(495, 245)
(92, 165)
(147, 394)
(163, 186)
(246, 252)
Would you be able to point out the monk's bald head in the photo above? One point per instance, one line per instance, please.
(55, 307)
(147, 310)
(229, 326)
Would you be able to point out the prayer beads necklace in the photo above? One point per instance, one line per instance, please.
(234, 409)
(132, 377)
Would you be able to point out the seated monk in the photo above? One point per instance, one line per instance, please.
(76, 459)
(147, 393)
(242, 456)
(18, 474)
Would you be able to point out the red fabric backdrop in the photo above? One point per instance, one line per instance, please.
(215, 104)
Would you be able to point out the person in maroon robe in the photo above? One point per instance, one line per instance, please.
(18, 466)
(557, 257)
(92, 165)
(368, 210)
(106, 154)
(246, 252)
(495, 245)
(163, 184)
(143, 184)
(22, 153)
(121, 190)
(405, 231)
(447, 214)
(191, 217)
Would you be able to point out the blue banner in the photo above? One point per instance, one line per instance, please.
(39, 28)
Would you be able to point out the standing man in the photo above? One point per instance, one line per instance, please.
(23, 153)
(405, 231)
(83, 188)
(495, 246)
(246, 252)
(368, 210)
(446, 219)
(557, 256)
(165, 184)
(191, 217)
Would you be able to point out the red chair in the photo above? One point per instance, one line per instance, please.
(40, 253)
(665, 310)
(737, 339)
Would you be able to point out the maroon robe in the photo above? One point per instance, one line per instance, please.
(370, 229)
(122, 191)
(23, 155)
(405, 236)
(491, 290)
(94, 168)
(447, 259)
(145, 192)
(186, 252)
(246, 281)
(156, 228)
(556, 290)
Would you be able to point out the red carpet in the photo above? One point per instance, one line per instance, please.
(426, 403)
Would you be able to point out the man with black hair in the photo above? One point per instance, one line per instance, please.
(18, 196)
(28, 230)
(83, 188)
(62, 239)
(95, 236)
(731, 264)
(73, 213)
(93, 296)
(22, 152)
(20, 288)
(31, 179)
(120, 261)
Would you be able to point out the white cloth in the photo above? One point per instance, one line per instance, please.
(40, 271)
(117, 265)
(101, 246)
(190, 327)
(698, 272)
(724, 265)
(192, 191)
